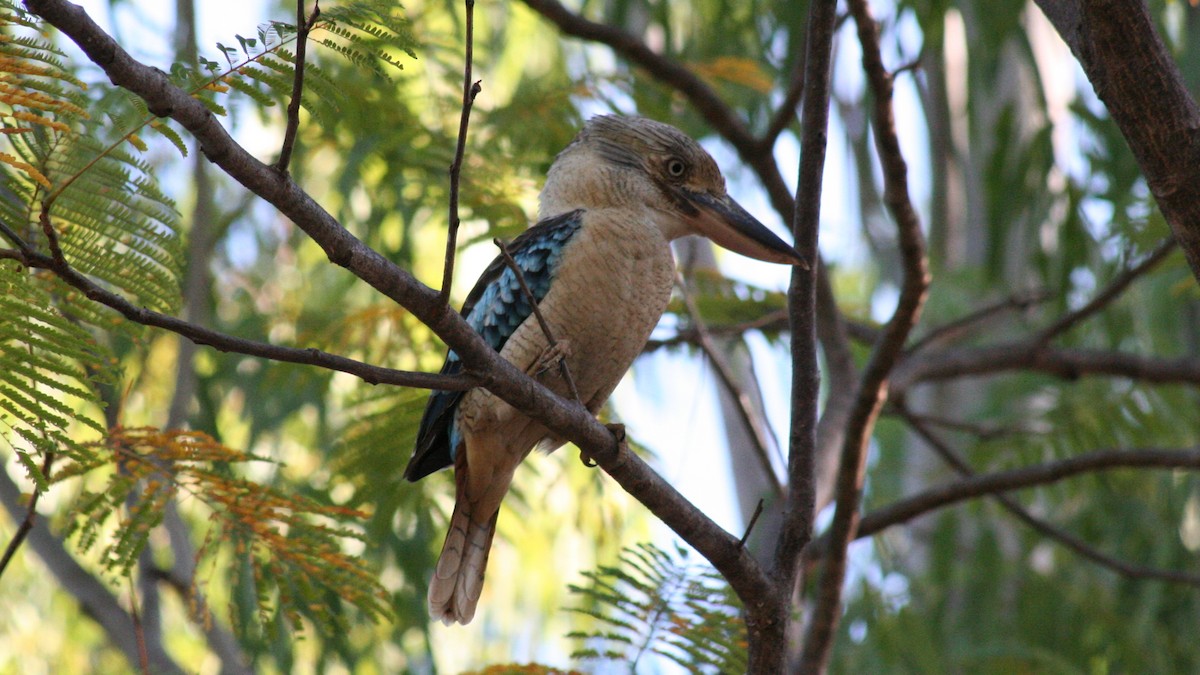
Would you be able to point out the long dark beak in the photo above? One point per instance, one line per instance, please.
(724, 221)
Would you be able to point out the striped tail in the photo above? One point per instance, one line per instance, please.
(458, 578)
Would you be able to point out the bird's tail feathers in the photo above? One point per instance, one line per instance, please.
(458, 577)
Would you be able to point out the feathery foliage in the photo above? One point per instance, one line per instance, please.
(47, 366)
(292, 545)
(661, 602)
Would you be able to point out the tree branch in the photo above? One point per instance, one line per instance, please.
(873, 387)
(26, 523)
(227, 343)
(1110, 293)
(470, 90)
(1135, 75)
(980, 485)
(1066, 539)
(1028, 355)
(955, 329)
(803, 291)
(303, 28)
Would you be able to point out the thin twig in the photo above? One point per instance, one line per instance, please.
(872, 392)
(764, 440)
(563, 368)
(750, 525)
(984, 432)
(303, 28)
(470, 91)
(1070, 541)
(786, 114)
(1109, 294)
(952, 330)
(30, 517)
(139, 632)
(367, 372)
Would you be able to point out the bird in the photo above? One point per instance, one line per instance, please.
(598, 265)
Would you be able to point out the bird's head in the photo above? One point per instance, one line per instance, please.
(634, 162)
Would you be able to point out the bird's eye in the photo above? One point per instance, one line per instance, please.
(675, 167)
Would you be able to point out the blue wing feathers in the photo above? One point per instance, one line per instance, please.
(495, 308)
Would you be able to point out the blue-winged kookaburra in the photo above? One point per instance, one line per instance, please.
(599, 264)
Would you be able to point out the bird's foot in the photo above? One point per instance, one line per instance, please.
(618, 432)
(550, 358)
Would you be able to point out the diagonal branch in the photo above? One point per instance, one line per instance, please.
(981, 485)
(1070, 541)
(1028, 355)
(27, 522)
(227, 343)
(955, 329)
(1110, 293)
(873, 386)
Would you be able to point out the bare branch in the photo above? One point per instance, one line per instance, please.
(873, 389)
(803, 291)
(1028, 355)
(30, 516)
(1110, 293)
(227, 343)
(981, 485)
(786, 114)
(303, 28)
(955, 329)
(470, 90)
(1070, 541)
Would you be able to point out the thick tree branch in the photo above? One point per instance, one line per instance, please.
(803, 291)
(1135, 75)
(342, 248)
(873, 386)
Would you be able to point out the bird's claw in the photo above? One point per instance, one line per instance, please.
(553, 356)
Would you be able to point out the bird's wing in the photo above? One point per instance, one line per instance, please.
(495, 307)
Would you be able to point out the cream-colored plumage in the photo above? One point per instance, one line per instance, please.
(637, 184)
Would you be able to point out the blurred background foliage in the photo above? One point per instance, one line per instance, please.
(1025, 187)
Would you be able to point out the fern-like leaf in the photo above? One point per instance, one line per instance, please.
(45, 383)
(290, 546)
(661, 602)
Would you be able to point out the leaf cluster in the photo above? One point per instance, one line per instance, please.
(292, 545)
(661, 602)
